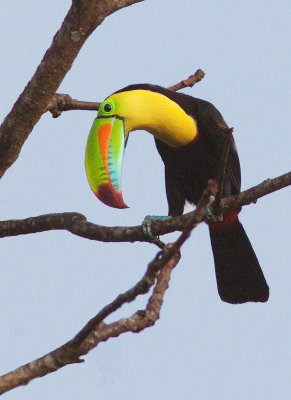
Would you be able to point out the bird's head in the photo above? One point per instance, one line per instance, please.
(123, 112)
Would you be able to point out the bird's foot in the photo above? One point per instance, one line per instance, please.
(146, 228)
(210, 213)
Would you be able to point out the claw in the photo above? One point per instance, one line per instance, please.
(210, 214)
(146, 228)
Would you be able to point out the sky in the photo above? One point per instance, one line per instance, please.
(52, 283)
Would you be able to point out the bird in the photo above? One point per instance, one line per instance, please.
(190, 135)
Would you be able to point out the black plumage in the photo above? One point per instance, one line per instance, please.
(187, 171)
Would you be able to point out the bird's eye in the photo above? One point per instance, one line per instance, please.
(107, 107)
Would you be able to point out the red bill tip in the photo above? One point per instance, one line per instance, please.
(110, 197)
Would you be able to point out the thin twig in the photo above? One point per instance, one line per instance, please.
(189, 82)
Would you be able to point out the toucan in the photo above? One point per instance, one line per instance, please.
(190, 136)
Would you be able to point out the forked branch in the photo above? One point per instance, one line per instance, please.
(95, 331)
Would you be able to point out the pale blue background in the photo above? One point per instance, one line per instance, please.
(52, 283)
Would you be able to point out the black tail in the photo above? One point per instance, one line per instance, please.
(238, 272)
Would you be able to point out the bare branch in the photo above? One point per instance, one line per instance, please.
(78, 225)
(158, 270)
(189, 82)
(253, 194)
(95, 331)
(63, 102)
(81, 20)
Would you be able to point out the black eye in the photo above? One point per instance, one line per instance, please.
(107, 107)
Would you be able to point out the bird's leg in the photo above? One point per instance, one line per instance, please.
(211, 213)
(146, 228)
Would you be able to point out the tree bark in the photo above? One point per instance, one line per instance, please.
(82, 19)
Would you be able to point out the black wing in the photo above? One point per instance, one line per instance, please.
(212, 126)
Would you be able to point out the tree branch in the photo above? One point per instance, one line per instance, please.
(189, 82)
(81, 20)
(78, 225)
(95, 331)
(63, 102)
(253, 194)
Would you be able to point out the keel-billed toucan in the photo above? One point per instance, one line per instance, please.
(190, 139)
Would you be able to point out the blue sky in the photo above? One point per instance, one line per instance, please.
(52, 283)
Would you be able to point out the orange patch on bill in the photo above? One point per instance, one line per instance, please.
(104, 140)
